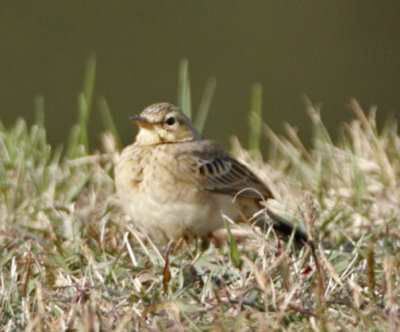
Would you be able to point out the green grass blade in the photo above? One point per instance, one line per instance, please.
(83, 118)
(184, 99)
(79, 139)
(234, 251)
(255, 119)
(39, 112)
(85, 101)
(108, 121)
(72, 149)
(89, 80)
(205, 104)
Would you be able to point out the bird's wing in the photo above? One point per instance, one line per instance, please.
(216, 170)
(213, 169)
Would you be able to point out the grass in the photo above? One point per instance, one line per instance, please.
(71, 260)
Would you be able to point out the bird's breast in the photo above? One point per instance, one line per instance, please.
(163, 199)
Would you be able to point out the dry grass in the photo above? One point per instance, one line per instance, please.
(70, 259)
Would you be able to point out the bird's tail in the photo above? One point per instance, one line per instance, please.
(285, 227)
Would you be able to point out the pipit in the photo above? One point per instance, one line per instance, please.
(174, 183)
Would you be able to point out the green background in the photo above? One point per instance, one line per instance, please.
(328, 50)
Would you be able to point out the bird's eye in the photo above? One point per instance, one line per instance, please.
(170, 121)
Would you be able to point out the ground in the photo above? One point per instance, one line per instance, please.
(71, 259)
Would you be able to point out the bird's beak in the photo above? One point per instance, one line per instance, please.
(141, 121)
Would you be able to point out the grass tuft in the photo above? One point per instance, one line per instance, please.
(71, 260)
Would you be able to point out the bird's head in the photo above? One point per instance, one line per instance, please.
(164, 123)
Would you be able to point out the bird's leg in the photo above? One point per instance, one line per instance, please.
(166, 271)
(179, 243)
(216, 238)
(205, 242)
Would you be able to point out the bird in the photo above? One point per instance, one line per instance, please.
(175, 183)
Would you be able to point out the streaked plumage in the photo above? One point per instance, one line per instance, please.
(173, 182)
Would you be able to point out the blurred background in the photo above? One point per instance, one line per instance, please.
(329, 51)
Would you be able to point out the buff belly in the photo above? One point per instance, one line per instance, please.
(176, 215)
(163, 208)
